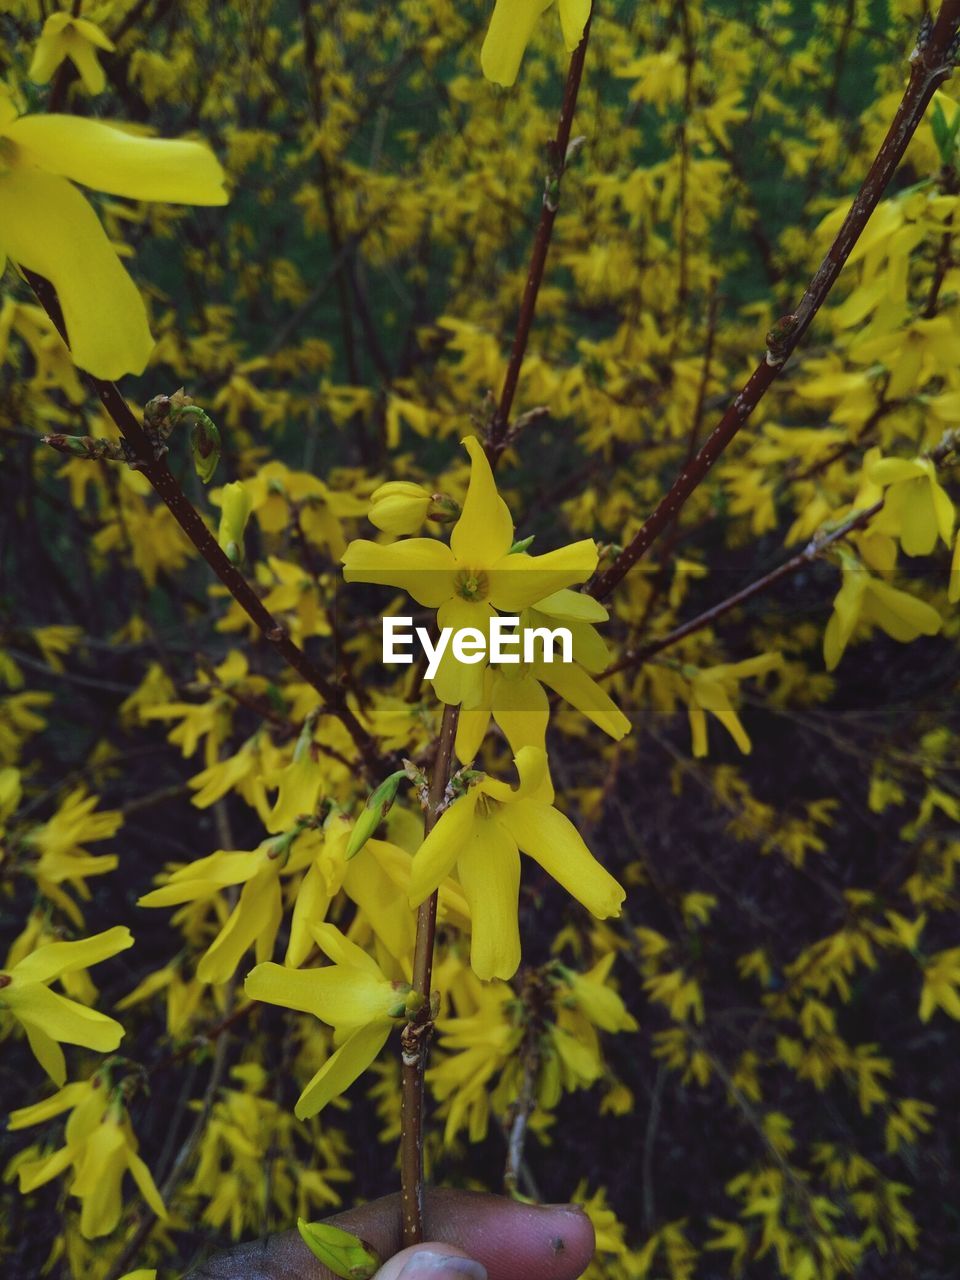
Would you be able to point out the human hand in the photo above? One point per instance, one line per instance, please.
(468, 1237)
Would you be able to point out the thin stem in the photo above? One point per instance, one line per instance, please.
(417, 1031)
(710, 616)
(930, 67)
(163, 481)
(497, 438)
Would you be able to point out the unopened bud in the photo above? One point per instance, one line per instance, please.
(204, 442)
(235, 508)
(376, 809)
(399, 507)
(344, 1254)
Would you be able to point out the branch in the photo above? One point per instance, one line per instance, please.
(497, 437)
(931, 65)
(417, 1031)
(188, 518)
(709, 616)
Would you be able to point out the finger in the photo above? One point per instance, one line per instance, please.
(431, 1261)
(537, 1242)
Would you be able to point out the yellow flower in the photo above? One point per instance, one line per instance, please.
(399, 507)
(50, 1019)
(512, 26)
(255, 919)
(941, 985)
(352, 995)
(710, 690)
(473, 577)
(101, 1147)
(47, 226)
(513, 694)
(916, 507)
(64, 36)
(275, 487)
(298, 784)
(863, 598)
(235, 508)
(481, 834)
(953, 590)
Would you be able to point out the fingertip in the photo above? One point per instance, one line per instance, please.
(431, 1261)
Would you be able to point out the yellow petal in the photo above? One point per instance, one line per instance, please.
(579, 689)
(520, 580)
(531, 763)
(84, 58)
(711, 695)
(98, 1181)
(507, 37)
(457, 682)
(484, 532)
(63, 1100)
(47, 1052)
(436, 857)
(521, 709)
(900, 614)
(108, 159)
(489, 870)
(884, 471)
(61, 1019)
(255, 919)
(341, 1069)
(148, 1188)
(57, 958)
(474, 721)
(49, 228)
(573, 20)
(336, 946)
(423, 567)
(311, 905)
(553, 841)
(336, 995)
(572, 606)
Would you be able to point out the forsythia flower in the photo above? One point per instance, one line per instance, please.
(863, 598)
(47, 226)
(235, 508)
(474, 577)
(49, 1018)
(352, 995)
(514, 696)
(399, 507)
(710, 690)
(481, 834)
(64, 36)
(916, 508)
(512, 26)
(255, 919)
(101, 1147)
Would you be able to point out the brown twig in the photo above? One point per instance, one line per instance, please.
(557, 153)
(930, 67)
(416, 1032)
(165, 484)
(710, 616)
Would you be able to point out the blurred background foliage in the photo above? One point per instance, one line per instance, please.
(787, 1103)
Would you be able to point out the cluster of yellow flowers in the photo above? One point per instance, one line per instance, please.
(763, 967)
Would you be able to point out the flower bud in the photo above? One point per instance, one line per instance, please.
(234, 514)
(344, 1254)
(399, 507)
(375, 810)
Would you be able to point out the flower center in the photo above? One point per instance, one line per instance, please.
(472, 585)
(486, 805)
(5, 980)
